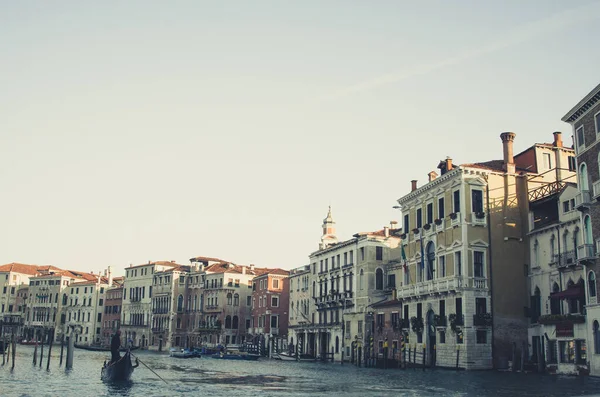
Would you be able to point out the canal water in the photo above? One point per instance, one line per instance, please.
(207, 376)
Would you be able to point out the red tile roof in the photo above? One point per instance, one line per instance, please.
(20, 268)
(225, 267)
(161, 263)
(492, 165)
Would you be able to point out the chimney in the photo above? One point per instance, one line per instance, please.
(448, 164)
(110, 277)
(413, 185)
(557, 139)
(432, 175)
(386, 231)
(507, 145)
(252, 267)
(393, 225)
(244, 269)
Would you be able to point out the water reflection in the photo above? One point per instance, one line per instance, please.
(272, 378)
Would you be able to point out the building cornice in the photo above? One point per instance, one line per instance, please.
(583, 106)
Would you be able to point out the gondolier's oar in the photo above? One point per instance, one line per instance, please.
(137, 358)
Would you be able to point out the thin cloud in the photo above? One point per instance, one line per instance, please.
(527, 32)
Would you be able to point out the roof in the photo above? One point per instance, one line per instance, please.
(225, 267)
(492, 165)
(205, 259)
(20, 268)
(69, 274)
(587, 102)
(276, 271)
(160, 263)
(179, 268)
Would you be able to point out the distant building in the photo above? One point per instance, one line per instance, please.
(12, 277)
(136, 320)
(113, 303)
(270, 309)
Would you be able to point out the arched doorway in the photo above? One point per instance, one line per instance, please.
(431, 337)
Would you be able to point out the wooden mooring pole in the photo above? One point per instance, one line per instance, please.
(35, 353)
(3, 349)
(14, 350)
(415, 357)
(424, 356)
(62, 347)
(457, 355)
(50, 340)
(42, 348)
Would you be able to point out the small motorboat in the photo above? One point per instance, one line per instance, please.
(285, 357)
(235, 355)
(184, 353)
(119, 371)
(29, 342)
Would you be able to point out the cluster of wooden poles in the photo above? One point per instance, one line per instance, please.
(407, 358)
(9, 352)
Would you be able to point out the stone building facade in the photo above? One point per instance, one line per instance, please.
(584, 118)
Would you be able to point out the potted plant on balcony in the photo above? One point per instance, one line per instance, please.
(480, 215)
(415, 230)
(439, 321)
(455, 321)
(438, 221)
(427, 226)
(417, 324)
(453, 216)
(403, 236)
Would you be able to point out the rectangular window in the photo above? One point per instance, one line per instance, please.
(391, 284)
(481, 336)
(566, 206)
(572, 163)
(442, 336)
(274, 322)
(579, 135)
(597, 121)
(442, 266)
(379, 253)
(430, 213)
(406, 224)
(456, 201)
(362, 253)
(478, 263)
(442, 308)
(274, 301)
(275, 283)
(351, 257)
(419, 310)
(551, 355)
(406, 312)
(459, 311)
(458, 263)
(419, 218)
(547, 161)
(480, 306)
(360, 326)
(581, 351)
(477, 200)
(441, 209)
(380, 320)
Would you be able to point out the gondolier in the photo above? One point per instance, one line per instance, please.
(115, 344)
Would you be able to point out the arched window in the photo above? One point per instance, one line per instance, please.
(195, 302)
(361, 279)
(536, 253)
(235, 323)
(229, 297)
(228, 322)
(555, 302)
(180, 303)
(583, 178)
(592, 284)
(189, 304)
(236, 300)
(379, 279)
(178, 323)
(64, 301)
(575, 240)
(596, 337)
(430, 260)
(552, 247)
(314, 289)
(565, 242)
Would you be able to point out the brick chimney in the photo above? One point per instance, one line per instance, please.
(386, 231)
(557, 139)
(432, 175)
(413, 185)
(507, 146)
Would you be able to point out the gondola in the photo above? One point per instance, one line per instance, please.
(119, 371)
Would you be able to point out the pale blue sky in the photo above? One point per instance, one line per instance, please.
(140, 130)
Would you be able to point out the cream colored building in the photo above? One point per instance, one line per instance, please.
(466, 249)
(345, 279)
(136, 318)
(13, 276)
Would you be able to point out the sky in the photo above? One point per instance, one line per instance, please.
(148, 130)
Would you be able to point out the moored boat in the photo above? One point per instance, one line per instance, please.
(231, 355)
(119, 371)
(102, 348)
(29, 342)
(183, 353)
(285, 357)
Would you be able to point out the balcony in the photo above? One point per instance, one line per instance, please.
(455, 219)
(440, 225)
(482, 319)
(553, 319)
(596, 189)
(478, 219)
(158, 330)
(274, 331)
(428, 229)
(583, 200)
(440, 321)
(586, 252)
(566, 259)
(447, 284)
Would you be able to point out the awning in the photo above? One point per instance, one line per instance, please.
(573, 292)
